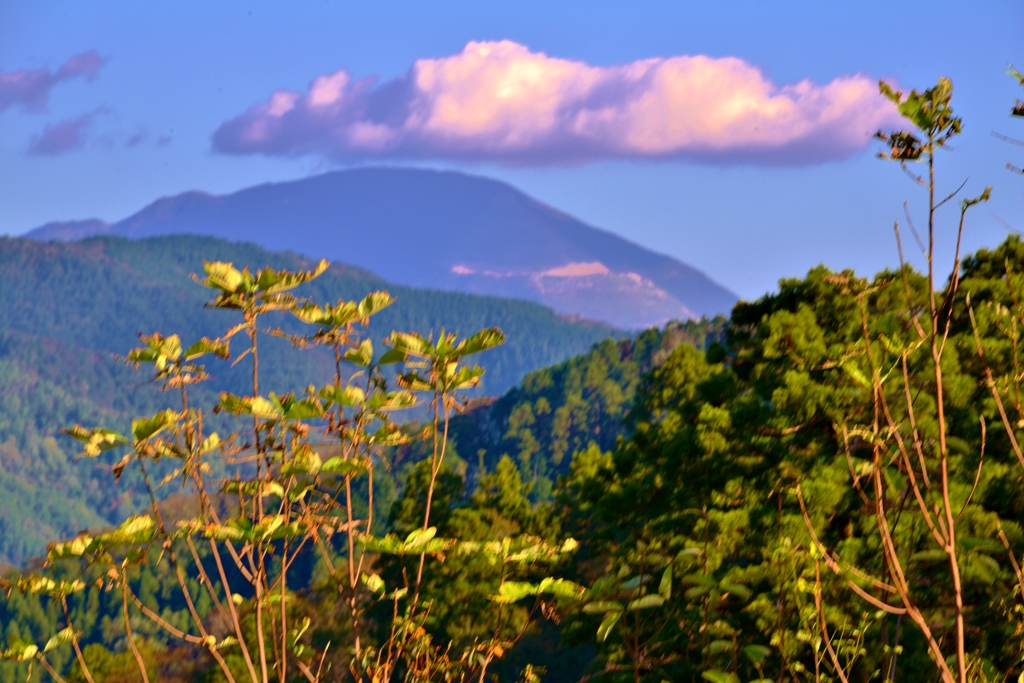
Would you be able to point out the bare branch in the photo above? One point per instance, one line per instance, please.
(913, 230)
(824, 626)
(992, 386)
(834, 566)
(953, 193)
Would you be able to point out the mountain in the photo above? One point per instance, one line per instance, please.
(442, 230)
(67, 308)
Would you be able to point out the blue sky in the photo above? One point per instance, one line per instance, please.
(174, 73)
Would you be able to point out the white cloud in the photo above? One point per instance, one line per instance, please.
(498, 101)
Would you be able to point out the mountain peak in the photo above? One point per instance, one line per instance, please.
(440, 229)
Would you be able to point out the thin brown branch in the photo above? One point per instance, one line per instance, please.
(918, 447)
(824, 626)
(74, 642)
(906, 282)
(834, 566)
(953, 193)
(913, 230)
(1013, 561)
(229, 600)
(50, 670)
(992, 387)
(128, 631)
(161, 622)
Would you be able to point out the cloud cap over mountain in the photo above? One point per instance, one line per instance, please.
(498, 101)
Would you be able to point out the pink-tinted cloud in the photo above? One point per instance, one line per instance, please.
(65, 136)
(498, 101)
(31, 87)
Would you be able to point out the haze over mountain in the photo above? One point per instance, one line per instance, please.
(443, 230)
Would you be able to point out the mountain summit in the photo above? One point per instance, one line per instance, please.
(443, 230)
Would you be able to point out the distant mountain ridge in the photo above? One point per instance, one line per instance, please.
(439, 229)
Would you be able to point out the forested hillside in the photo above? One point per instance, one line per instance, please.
(557, 411)
(67, 309)
(693, 465)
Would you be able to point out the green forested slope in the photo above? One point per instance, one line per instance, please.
(66, 309)
(557, 411)
(689, 473)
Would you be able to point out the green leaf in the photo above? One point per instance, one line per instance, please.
(269, 408)
(158, 350)
(606, 625)
(481, 341)
(218, 347)
(231, 403)
(698, 580)
(76, 547)
(392, 356)
(59, 639)
(561, 588)
(20, 651)
(44, 585)
(267, 526)
(636, 582)
(210, 443)
(304, 409)
(388, 435)
(374, 583)
(362, 356)
(225, 277)
(272, 281)
(737, 589)
(513, 591)
(646, 602)
(982, 545)
(757, 653)
(602, 606)
(665, 587)
(418, 538)
(716, 676)
(855, 373)
(97, 440)
(304, 461)
(346, 396)
(930, 556)
(236, 529)
(390, 544)
(343, 466)
(466, 377)
(696, 592)
(392, 400)
(252, 488)
(411, 344)
(374, 303)
(148, 427)
(135, 529)
(415, 382)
